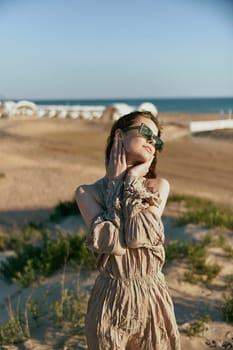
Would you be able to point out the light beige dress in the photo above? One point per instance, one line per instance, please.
(129, 307)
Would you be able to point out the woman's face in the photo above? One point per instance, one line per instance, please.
(138, 148)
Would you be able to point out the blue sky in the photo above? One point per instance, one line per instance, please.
(113, 49)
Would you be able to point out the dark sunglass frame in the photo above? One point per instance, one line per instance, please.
(147, 133)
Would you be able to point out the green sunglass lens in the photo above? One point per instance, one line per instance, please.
(146, 132)
(159, 143)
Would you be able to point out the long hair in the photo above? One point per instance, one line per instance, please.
(128, 120)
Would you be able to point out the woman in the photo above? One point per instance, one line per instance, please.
(130, 307)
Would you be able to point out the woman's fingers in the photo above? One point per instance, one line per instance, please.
(141, 169)
(123, 155)
(115, 147)
(117, 160)
(120, 148)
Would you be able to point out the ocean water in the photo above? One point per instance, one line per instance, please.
(189, 105)
(221, 105)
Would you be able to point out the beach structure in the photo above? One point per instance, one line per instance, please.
(85, 114)
(26, 108)
(11, 109)
(90, 112)
(115, 111)
(1, 109)
(201, 126)
(8, 109)
(121, 109)
(149, 107)
(52, 113)
(62, 114)
(74, 114)
(42, 113)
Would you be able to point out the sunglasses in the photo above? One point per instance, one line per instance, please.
(147, 133)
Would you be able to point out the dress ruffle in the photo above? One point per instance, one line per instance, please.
(142, 226)
(136, 191)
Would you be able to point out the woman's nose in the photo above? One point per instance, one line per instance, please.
(152, 141)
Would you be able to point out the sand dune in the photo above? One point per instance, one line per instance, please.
(42, 162)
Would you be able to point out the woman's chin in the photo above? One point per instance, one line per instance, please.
(139, 159)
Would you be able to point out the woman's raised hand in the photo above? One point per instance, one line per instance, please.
(140, 170)
(117, 166)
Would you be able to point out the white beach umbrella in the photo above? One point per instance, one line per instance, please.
(26, 104)
(74, 114)
(41, 113)
(149, 107)
(52, 113)
(27, 108)
(62, 114)
(121, 109)
(97, 114)
(9, 109)
(86, 115)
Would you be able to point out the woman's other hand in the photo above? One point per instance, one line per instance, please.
(117, 166)
(140, 170)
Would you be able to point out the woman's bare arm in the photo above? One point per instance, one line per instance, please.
(85, 196)
(105, 234)
(163, 187)
(87, 203)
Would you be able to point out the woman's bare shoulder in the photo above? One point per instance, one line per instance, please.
(159, 184)
(93, 188)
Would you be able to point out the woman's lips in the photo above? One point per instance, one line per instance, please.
(149, 149)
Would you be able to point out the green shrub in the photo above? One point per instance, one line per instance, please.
(203, 211)
(184, 249)
(208, 216)
(37, 308)
(190, 201)
(32, 232)
(3, 241)
(197, 327)
(227, 308)
(35, 262)
(10, 241)
(219, 241)
(68, 313)
(176, 250)
(64, 209)
(228, 250)
(208, 239)
(17, 239)
(15, 330)
(195, 253)
(202, 272)
(229, 281)
(14, 264)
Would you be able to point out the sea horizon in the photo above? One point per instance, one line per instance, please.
(221, 105)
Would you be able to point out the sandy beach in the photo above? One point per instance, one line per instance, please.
(43, 161)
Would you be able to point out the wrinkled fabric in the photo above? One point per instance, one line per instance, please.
(130, 307)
